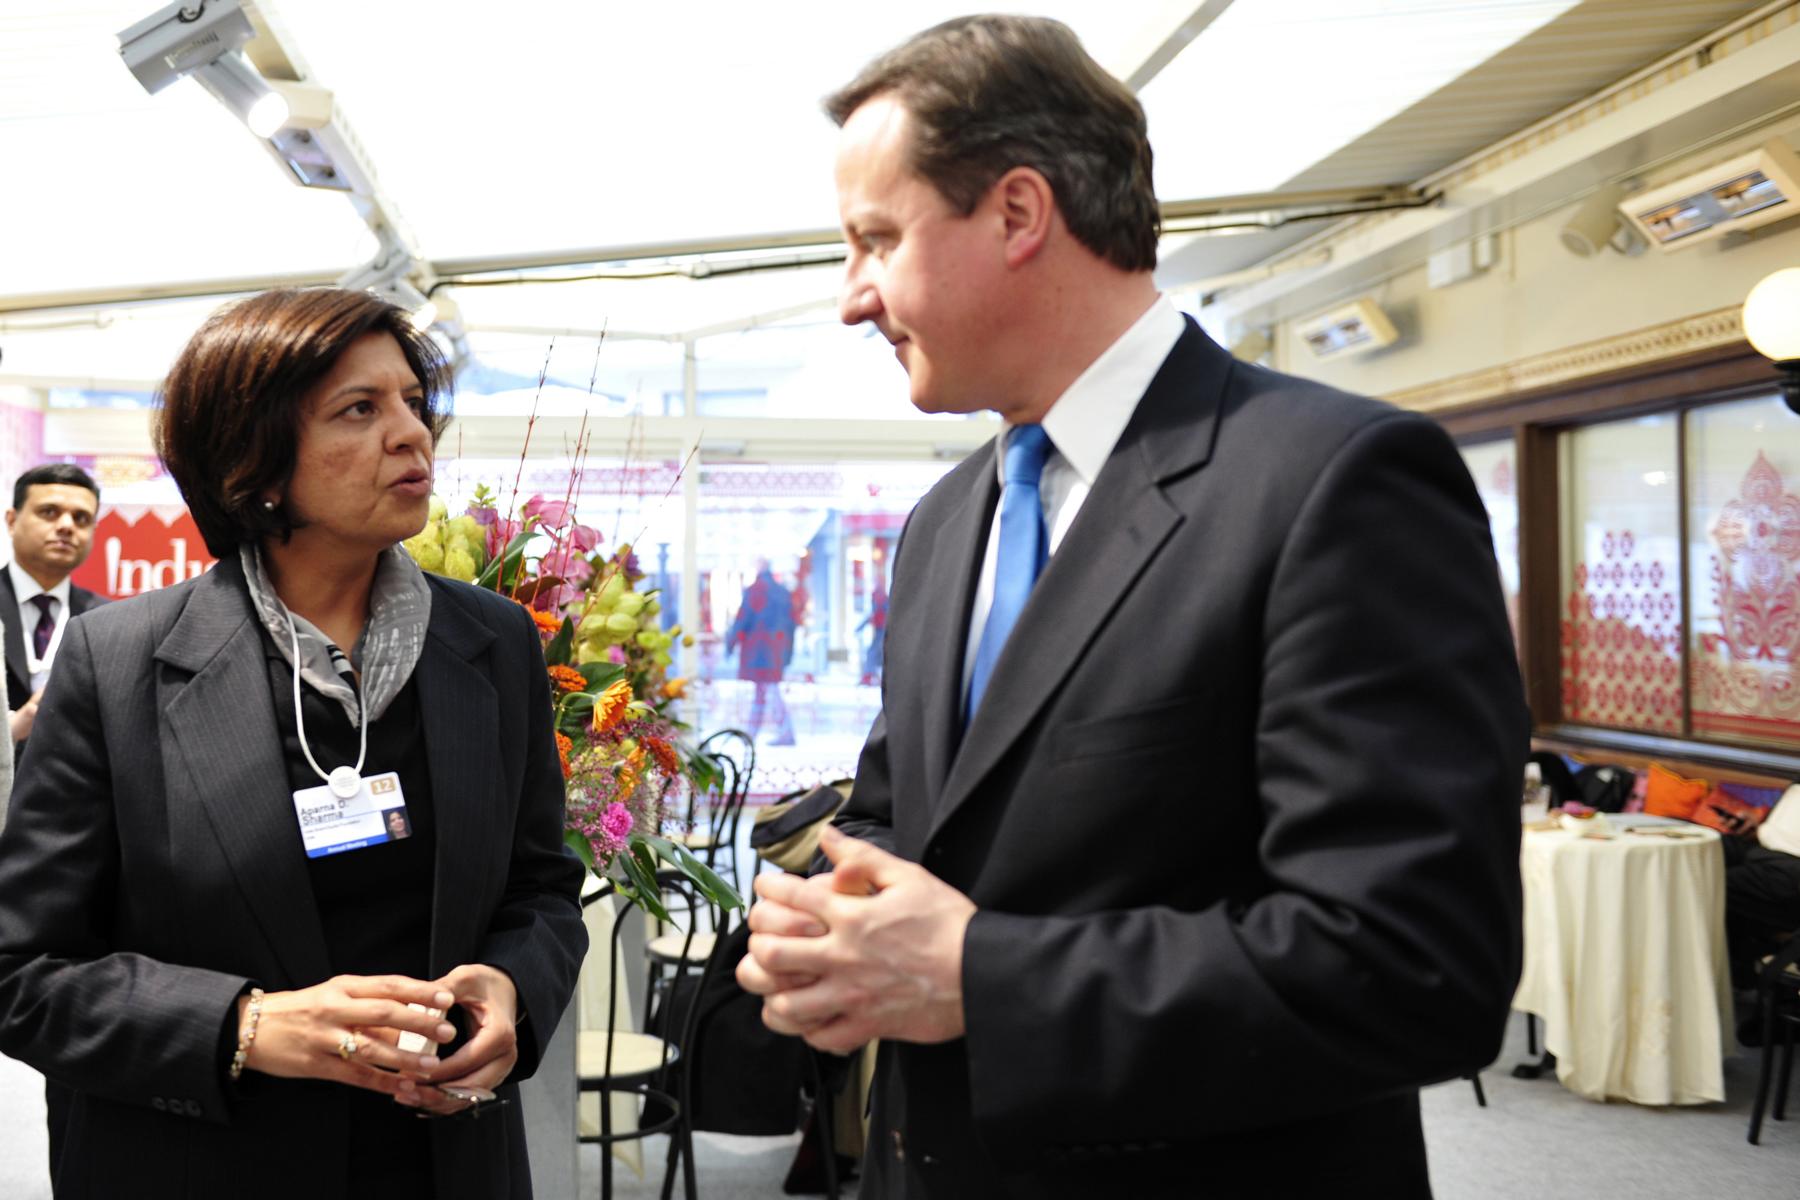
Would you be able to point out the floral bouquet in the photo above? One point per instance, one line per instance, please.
(608, 656)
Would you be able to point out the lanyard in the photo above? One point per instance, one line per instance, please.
(344, 781)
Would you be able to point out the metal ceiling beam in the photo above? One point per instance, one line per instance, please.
(1160, 39)
(1174, 212)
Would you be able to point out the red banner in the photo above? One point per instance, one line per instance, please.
(139, 549)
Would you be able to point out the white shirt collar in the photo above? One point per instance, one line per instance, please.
(1086, 421)
(25, 587)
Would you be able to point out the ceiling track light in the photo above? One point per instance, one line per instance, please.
(205, 39)
(237, 86)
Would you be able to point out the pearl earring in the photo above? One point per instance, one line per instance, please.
(268, 506)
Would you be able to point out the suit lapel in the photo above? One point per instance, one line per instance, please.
(460, 712)
(1122, 526)
(18, 679)
(956, 556)
(219, 723)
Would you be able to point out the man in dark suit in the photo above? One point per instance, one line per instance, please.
(51, 523)
(1184, 850)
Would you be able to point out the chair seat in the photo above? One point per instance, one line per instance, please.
(633, 1055)
(693, 839)
(667, 947)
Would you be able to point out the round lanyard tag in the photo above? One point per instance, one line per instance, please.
(344, 782)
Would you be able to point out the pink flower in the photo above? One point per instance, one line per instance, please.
(500, 534)
(585, 538)
(615, 823)
(615, 655)
(567, 564)
(551, 514)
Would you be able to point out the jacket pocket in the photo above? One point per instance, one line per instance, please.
(1165, 724)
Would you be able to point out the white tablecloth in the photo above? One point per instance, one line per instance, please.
(1625, 963)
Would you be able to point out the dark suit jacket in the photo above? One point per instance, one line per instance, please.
(18, 679)
(152, 868)
(1239, 808)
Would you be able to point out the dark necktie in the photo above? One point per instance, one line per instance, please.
(1023, 550)
(46, 625)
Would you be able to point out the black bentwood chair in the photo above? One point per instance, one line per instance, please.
(735, 752)
(614, 1061)
(1777, 1014)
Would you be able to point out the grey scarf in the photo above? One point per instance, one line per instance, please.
(385, 654)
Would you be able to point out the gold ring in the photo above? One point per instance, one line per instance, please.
(348, 1046)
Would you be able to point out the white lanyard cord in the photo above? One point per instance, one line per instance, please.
(362, 713)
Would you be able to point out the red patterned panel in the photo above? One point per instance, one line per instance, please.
(1621, 641)
(1745, 681)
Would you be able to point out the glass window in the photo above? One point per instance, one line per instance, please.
(812, 367)
(1620, 576)
(1744, 571)
(613, 376)
(793, 566)
(1491, 465)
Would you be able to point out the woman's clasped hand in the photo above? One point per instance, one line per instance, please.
(348, 1030)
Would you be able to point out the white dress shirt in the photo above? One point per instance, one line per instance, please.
(25, 587)
(1084, 424)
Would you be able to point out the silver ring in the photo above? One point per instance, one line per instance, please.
(348, 1046)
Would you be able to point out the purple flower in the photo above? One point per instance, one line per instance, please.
(616, 655)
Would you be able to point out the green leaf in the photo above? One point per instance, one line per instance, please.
(716, 889)
(584, 850)
(494, 576)
(601, 675)
(643, 883)
(558, 649)
(711, 886)
(574, 713)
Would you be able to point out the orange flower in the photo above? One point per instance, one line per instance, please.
(609, 706)
(563, 746)
(664, 754)
(567, 679)
(628, 780)
(675, 689)
(546, 622)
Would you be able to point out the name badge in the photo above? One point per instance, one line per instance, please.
(331, 823)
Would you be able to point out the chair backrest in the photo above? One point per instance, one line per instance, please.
(736, 752)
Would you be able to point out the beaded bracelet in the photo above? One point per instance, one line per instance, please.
(247, 1033)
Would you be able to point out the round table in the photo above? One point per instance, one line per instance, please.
(1625, 960)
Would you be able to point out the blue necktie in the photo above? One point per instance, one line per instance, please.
(1024, 548)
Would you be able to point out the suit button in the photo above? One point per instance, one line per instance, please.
(929, 1160)
(159, 1104)
(193, 1108)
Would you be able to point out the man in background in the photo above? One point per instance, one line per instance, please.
(1185, 847)
(51, 524)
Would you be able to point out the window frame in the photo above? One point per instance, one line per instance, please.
(1535, 420)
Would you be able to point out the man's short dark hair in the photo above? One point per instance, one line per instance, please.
(229, 427)
(67, 474)
(990, 93)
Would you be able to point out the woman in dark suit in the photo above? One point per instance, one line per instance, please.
(193, 938)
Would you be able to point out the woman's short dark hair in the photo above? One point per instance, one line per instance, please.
(990, 93)
(229, 427)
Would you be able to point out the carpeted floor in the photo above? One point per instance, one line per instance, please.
(1534, 1141)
